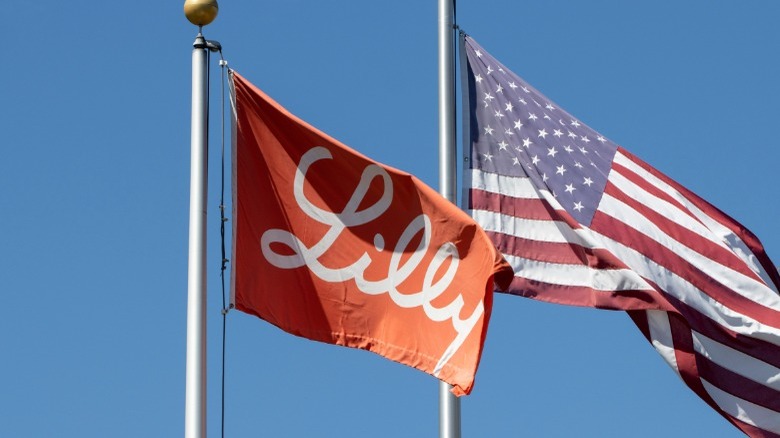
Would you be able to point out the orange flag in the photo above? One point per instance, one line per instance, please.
(334, 247)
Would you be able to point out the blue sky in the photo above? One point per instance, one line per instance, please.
(94, 128)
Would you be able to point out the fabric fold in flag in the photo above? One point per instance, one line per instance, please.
(334, 247)
(584, 222)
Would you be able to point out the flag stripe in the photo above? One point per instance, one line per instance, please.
(531, 229)
(526, 208)
(660, 338)
(607, 280)
(744, 410)
(583, 296)
(562, 253)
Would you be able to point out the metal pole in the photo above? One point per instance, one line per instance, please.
(447, 161)
(195, 404)
(449, 405)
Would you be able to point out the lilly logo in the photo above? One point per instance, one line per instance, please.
(396, 273)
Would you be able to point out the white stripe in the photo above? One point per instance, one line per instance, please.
(726, 235)
(744, 410)
(734, 280)
(515, 187)
(608, 280)
(738, 362)
(532, 229)
(661, 337)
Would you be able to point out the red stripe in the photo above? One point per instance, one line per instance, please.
(553, 252)
(686, 361)
(584, 296)
(685, 236)
(670, 260)
(752, 431)
(510, 206)
(640, 319)
(737, 385)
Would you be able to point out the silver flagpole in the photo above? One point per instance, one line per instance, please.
(449, 405)
(200, 13)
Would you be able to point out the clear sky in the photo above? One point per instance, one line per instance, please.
(94, 128)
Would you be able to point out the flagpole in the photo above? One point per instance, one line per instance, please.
(200, 13)
(449, 404)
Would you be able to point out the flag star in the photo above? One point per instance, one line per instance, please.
(572, 135)
(486, 104)
(508, 132)
(570, 188)
(550, 107)
(526, 89)
(585, 151)
(537, 103)
(532, 116)
(499, 114)
(551, 152)
(515, 161)
(488, 130)
(601, 139)
(500, 89)
(488, 157)
(478, 78)
(535, 160)
(547, 117)
(575, 123)
(509, 106)
(560, 122)
(585, 139)
(527, 142)
(557, 133)
(587, 181)
(501, 70)
(568, 149)
(543, 133)
(560, 169)
(578, 206)
(512, 85)
(502, 146)
(518, 124)
(577, 165)
(489, 70)
(545, 177)
(478, 53)
(489, 96)
(521, 100)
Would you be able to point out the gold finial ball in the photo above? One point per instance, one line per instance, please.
(201, 12)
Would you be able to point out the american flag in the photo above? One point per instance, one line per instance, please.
(584, 222)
